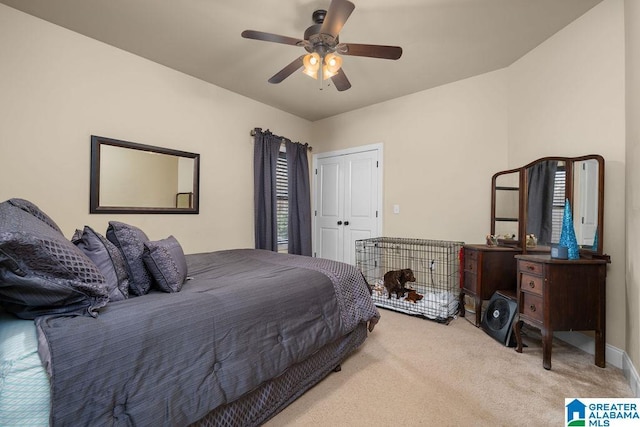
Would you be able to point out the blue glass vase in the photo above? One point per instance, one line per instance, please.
(568, 234)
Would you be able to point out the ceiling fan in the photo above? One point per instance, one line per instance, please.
(322, 43)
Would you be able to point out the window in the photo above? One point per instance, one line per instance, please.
(557, 211)
(282, 201)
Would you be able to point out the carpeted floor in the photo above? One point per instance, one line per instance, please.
(412, 372)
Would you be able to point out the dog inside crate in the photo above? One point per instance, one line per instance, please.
(414, 276)
(395, 281)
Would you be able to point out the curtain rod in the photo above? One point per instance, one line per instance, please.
(252, 132)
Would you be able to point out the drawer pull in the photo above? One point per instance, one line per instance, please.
(532, 284)
(532, 307)
(530, 267)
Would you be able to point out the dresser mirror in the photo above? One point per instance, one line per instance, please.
(128, 177)
(546, 192)
(506, 205)
(531, 200)
(586, 184)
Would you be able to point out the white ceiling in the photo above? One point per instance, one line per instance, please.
(442, 41)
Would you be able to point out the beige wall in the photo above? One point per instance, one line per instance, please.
(58, 88)
(632, 25)
(440, 147)
(566, 98)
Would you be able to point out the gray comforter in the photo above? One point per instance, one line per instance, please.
(161, 359)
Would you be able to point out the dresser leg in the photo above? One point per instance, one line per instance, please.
(478, 305)
(547, 337)
(461, 311)
(600, 349)
(517, 326)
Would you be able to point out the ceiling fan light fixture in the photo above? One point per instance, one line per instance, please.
(326, 73)
(333, 62)
(331, 66)
(311, 64)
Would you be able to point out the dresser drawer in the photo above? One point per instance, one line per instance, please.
(471, 260)
(470, 254)
(532, 307)
(530, 267)
(471, 265)
(533, 284)
(471, 282)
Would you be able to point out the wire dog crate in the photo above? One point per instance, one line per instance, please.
(435, 266)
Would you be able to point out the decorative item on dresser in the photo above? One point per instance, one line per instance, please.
(561, 295)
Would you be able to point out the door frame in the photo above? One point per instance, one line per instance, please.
(354, 150)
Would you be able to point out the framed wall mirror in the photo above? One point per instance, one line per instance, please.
(543, 187)
(128, 177)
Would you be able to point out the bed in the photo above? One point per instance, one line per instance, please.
(221, 338)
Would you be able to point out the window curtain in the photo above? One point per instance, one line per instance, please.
(299, 225)
(265, 157)
(541, 179)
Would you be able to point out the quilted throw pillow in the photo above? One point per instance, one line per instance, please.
(31, 208)
(166, 263)
(108, 258)
(130, 240)
(41, 272)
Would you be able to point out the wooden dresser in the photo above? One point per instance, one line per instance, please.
(486, 270)
(561, 295)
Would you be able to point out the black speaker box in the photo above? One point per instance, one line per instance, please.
(497, 320)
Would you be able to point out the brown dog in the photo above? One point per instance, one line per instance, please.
(395, 280)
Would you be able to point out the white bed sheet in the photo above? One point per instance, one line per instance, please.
(24, 384)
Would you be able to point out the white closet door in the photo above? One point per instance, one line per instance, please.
(329, 208)
(347, 203)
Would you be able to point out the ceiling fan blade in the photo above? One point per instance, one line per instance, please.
(294, 66)
(340, 81)
(370, 50)
(338, 13)
(268, 37)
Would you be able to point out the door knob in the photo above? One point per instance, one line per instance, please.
(346, 223)
(339, 222)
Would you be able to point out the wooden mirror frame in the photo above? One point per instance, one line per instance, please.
(519, 240)
(519, 208)
(94, 196)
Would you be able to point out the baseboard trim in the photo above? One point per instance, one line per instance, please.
(613, 355)
(631, 374)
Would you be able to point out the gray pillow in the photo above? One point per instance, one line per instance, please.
(130, 240)
(41, 272)
(31, 208)
(108, 258)
(166, 262)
